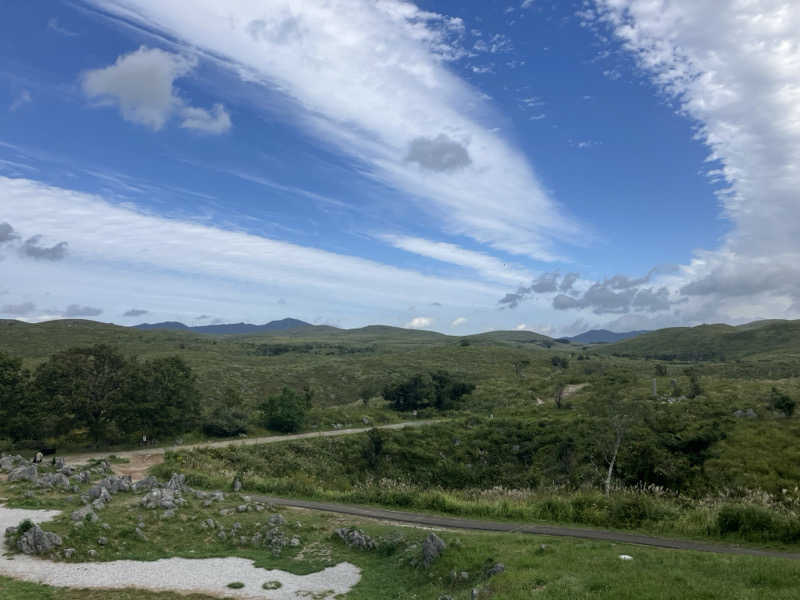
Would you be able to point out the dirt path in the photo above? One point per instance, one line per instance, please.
(141, 460)
(423, 520)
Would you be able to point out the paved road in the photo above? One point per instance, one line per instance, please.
(82, 458)
(554, 530)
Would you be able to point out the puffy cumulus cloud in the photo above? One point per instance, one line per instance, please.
(7, 233)
(419, 323)
(141, 83)
(18, 310)
(545, 283)
(732, 67)
(138, 312)
(372, 79)
(77, 310)
(458, 321)
(568, 281)
(33, 249)
(441, 154)
(215, 121)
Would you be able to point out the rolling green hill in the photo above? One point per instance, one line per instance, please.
(713, 342)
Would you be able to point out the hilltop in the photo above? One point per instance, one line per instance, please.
(717, 342)
(604, 336)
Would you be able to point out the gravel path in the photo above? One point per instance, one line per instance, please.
(151, 453)
(426, 521)
(202, 575)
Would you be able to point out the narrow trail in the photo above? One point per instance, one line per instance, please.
(424, 520)
(154, 456)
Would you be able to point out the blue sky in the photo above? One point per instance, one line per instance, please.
(455, 166)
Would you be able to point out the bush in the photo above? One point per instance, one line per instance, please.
(286, 412)
(438, 390)
(782, 402)
(748, 521)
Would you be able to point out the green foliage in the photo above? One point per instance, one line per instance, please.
(438, 390)
(782, 402)
(286, 411)
(161, 397)
(560, 362)
(227, 418)
(84, 387)
(20, 417)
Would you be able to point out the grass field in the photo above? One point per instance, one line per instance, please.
(534, 566)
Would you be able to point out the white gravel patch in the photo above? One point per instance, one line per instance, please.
(203, 575)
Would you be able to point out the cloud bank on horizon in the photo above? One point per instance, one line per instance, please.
(469, 235)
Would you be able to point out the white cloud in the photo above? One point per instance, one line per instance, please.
(203, 120)
(23, 98)
(521, 327)
(419, 323)
(127, 258)
(458, 321)
(54, 25)
(733, 68)
(142, 84)
(488, 266)
(369, 78)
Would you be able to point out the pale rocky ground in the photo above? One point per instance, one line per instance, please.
(207, 576)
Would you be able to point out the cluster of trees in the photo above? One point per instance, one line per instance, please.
(286, 412)
(439, 390)
(98, 391)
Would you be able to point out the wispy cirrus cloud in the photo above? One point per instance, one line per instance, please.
(123, 255)
(371, 79)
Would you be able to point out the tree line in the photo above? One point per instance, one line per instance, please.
(99, 392)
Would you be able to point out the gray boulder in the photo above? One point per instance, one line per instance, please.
(276, 520)
(177, 482)
(116, 484)
(37, 541)
(145, 485)
(432, 548)
(83, 513)
(24, 473)
(355, 538)
(51, 480)
(8, 463)
(162, 498)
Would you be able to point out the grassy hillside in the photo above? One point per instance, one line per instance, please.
(713, 342)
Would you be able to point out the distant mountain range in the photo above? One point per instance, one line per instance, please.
(595, 336)
(604, 336)
(229, 328)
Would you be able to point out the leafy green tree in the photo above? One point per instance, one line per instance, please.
(439, 390)
(560, 362)
(159, 398)
(286, 411)
(21, 417)
(85, 387)
(228, 417)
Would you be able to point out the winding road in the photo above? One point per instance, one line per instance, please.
(143, 459)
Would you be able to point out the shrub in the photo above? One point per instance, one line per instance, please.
(286, 412)
(751, 522)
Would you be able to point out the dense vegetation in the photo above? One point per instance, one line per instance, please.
(99, 391)
(538, 429)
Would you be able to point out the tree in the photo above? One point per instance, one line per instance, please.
(438, 389)
(286, 411)
(559, 362)
(660, 370)
(20, 416)
(85, 387)
(159, 397)
(228, 417)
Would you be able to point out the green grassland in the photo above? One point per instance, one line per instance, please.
(761, 339)
(535, 566)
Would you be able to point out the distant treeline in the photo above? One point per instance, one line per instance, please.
(309, 348)
(98, 392)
